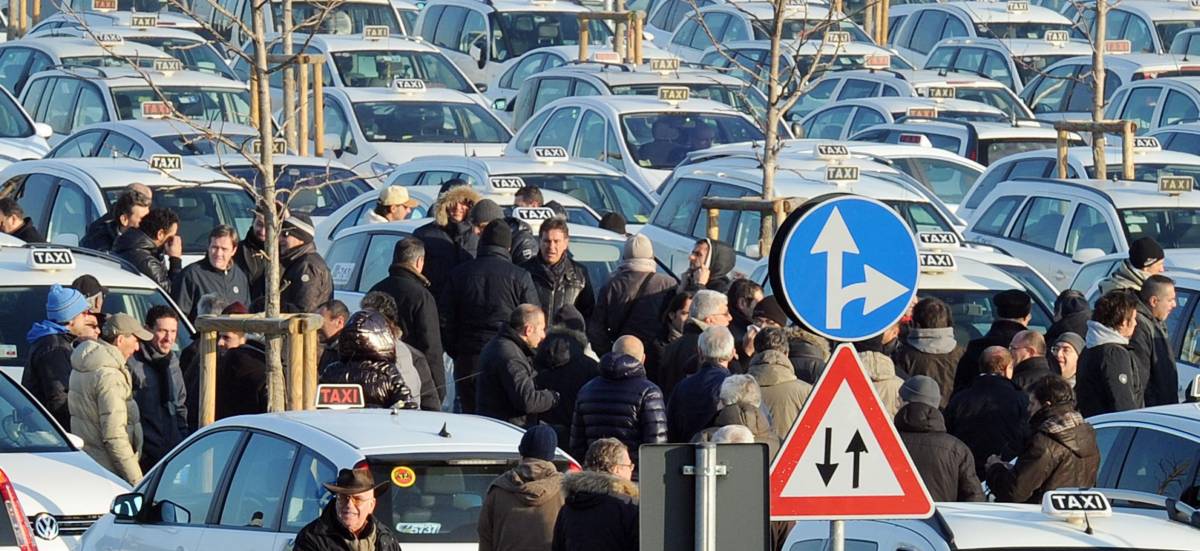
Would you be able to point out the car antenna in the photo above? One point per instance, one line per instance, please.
(444, 433)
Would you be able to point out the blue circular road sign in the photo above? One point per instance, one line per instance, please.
(845, 266)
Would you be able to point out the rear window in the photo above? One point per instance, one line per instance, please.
(995, 150)
(440, 500)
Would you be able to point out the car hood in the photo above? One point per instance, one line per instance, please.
(21, 149)
(397, 153)
(62, 483)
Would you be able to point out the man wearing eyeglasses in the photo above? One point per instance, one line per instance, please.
(347, 522)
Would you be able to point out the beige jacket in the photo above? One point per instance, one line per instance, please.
(883, 375)
(103, 412)
(782, 393)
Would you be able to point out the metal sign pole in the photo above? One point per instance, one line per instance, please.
(706, 496)
(837, 535)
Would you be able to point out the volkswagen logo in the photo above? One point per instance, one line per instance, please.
(45, 526)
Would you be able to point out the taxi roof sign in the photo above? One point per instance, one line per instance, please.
(877, 61)
(104, 5)
(549, 153)
(831, 151)
(1075, 504)
(166, 162)
(941, 92)
(155, 109)
(841, 173)
(409, 85)
(47, 259)
(664, 64)
(533, 214)
(278, 146)
(922, 112)
(606, 57)
(168, 65)
(1017, 6)
(674, 94)
(142, 21)
(1058, 38)
(506, 182)
(110, 39)
(936, 239)
(340, 396)
(837, 37)
(1175, 185)
(915, 139)
(936, 262)
(1117, 47)
(375, 32)
(1146, 143)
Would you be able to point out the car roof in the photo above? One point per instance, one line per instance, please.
(123, 30)
(808, 48)
(983, 130)
(14, 259)
(1189, 127)
(1029, 47)
(917, 77)
(970, 274)
(228, 160)
(1184, 417)
(356, 42)
(900, 103)
(1128, 62)
(1182, 82)
(643, 104)
(110, 173)
(1122, 193)
(518, 164)
(514, 5)
(411, 225)
(976, 525)
(800, 178)
(997, 12)
(1113, 155)
(766, 10)
(617, 75)
(370, 95)
(69, 46)
(1158, 10)
(155, 128)
(122, 77)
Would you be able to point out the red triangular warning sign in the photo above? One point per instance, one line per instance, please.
(843, 458)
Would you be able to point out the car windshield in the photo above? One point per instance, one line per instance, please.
(1018, 29)
(808, 30)
(26, 305)
(342, 17)
(998, 149)
(1031, 66)
(742, 98)
(1168, 29)
(947, 180)
(1148, 172)
(661, 140)
(428, 122)
(409, 17)
(968, 116)
(13, 123)
(200, 209)
(377, 68)
(521, 31)
(830, 62)
(920, 217)
(209, 105)
(105, 61)
(1188, 45)
(196, 56)
(601, 192)
(199, 144)
(26, 429)
(1000, 98)
(322, 189)
(1173, 228)
(973, 314)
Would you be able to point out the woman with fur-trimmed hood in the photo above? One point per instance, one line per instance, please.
(601, 510)
(449, 239)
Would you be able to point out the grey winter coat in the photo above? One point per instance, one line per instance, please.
(933, 353)
(883, 375)
(1124, 277)
(783, 395)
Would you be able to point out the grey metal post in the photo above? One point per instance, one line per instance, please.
(706, 496)
(837, 535)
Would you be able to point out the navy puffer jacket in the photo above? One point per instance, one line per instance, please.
(621, 403)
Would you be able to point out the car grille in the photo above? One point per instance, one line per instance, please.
(72, 525)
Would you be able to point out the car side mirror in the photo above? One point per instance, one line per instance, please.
(481, 87)
(127, 506)
(500, 104)
(333, 142)
(172, 513)
(478, 51)
(797, 130)
(42, 130)
(1083, 256)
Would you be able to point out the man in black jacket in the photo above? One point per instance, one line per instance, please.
(127, 212)
(929, 348)
(479, 297)
(450, 240)
(990, 415)
(631, 302)
(333, 319)
(144, 246)
(1152, 345)
(14, 222)
(564, 364)
(744, 294)
(215, 273)
(348, 522)
(621, 403)
(525, 244)
(1028, 350)
(416, 309)
(506, 388)
(251, 254)
(48, 370)
(305, 283)
(681, 358)
(158, 387)
(696, 401)
(601, 509)
(1013, 310)
(559, 280)
(241, 371)
(1107, 379)
(943, 461)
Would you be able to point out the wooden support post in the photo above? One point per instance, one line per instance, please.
(312, 355)
(295, 370)
(882, 13)
(714, 224)
(1062, 153)
(1127, 150)
(208, 378)
(639, 23)
(12, 20)
(21, 24)
(318, 113)
(302, 83)
(36, 16)
(583, 39)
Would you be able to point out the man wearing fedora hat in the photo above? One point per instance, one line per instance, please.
(347, 522)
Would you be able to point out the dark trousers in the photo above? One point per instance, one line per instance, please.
(466, 369)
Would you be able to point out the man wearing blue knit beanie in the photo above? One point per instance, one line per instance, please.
(48, 370)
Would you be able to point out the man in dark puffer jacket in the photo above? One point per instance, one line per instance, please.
(143, 247)
(601, 509)
(563, 365)
(305, 282)
(1062, 453)
(621, 403)
(1151, 344)
(943, 461)
(1012, 309)
(367, 353)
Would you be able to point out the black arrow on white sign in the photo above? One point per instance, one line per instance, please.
(856, 447)
(828, 468)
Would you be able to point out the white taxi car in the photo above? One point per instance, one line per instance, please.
(1149, 163)
(71, 98)
(21, 137)
(140, 139)
(375, 129)
(312, 185)
(252, 482)
(84, 16)
(63, 196)
(20, 59)
(1056, 225)
(1014, 62)
(1148, 25)
(928, 24)
(984, 142)
(196, 53)
(1097, 519)
(749, 60)
(872, 83)
(1063, 91)
(1183, 137)
(754, 21)
(840, 120)
(643, 137)
(486, 38)
(230, 18)
(1156, 103)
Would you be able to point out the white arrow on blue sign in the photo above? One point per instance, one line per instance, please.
(846, 267)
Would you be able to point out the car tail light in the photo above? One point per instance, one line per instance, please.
(16, 515)
(573, 467)
(362, 466)
(972, 154)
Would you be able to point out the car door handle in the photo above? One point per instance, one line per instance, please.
(1060, 275)
(291, 543)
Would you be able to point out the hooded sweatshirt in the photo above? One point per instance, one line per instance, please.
(521, 507)
(48, 369)
(103, 412)
(1106, 379)
(883, 375)
(932, 352)
(1125, 277)
(601, 514)
(720, 262)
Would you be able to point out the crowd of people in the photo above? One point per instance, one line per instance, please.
(596, 368)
